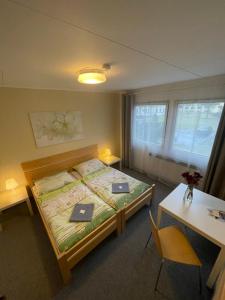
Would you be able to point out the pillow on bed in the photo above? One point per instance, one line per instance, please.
(51, 183)
(76, 175)
(89, 166)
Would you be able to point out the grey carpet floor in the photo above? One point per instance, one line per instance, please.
(119, 268)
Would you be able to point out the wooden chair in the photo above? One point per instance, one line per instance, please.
(172, 245)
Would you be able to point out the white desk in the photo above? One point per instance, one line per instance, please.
(196, 216)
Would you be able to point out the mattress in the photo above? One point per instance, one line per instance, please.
(57, 207)
(101, 183)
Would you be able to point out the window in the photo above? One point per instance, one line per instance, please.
(194, 131)
(149, 123)
(189, 135)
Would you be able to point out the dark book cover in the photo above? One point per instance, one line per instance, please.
(82, 213)
(120, 187)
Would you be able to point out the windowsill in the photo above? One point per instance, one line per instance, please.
(174, 161)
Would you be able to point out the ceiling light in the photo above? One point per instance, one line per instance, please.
(91, 76)
(94, 76)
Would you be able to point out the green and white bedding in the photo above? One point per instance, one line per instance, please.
(101, 183)
(57, 207)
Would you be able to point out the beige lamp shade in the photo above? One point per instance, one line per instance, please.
(92, 77)
(107, 152)
(11, 184)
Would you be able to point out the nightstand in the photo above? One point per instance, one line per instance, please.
(111, 160)
(14, 197)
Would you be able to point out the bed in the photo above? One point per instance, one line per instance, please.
(101, 181)
(112, 216)
(57, 206)
(70, 251)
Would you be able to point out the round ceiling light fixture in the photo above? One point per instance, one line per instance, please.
(93, 76)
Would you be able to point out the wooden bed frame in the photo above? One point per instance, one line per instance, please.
(130, 209)
(47, 166)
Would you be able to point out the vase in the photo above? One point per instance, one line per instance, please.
(188, 195)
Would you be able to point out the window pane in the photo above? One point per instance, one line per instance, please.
(149, 123)
(196, 126)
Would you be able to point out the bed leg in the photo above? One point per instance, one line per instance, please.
(152, 195)
(123, 220)
(148, 201)
(118, 231)
(119, 225)
(65, 271)
(153, 190)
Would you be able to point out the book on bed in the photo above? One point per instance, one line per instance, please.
(120, 188)
(82, 213)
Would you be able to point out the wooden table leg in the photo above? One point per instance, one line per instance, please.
(1, 229)
(159, 215)
(217, 268)
(29, 207)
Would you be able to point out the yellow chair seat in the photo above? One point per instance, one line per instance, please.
(176, 247)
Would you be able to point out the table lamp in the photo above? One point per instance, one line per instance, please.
(11, 184)
(107, 152)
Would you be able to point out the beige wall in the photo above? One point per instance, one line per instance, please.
(100, 113)
(204, 88)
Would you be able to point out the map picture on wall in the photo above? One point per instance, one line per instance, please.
(52, 128)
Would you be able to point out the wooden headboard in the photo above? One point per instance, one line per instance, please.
(46, 166)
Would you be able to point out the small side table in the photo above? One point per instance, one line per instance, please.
(14, 197)
(111, 160)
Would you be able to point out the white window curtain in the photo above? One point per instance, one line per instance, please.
(194, 132)
(169, 137)
(149, 124)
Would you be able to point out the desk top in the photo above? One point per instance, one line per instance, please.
(11, 198)
(196, 215)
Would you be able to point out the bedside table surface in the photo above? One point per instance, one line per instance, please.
(110, 160)
(11, 198)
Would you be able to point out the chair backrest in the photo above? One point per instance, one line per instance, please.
(220, 287)
(155, 233)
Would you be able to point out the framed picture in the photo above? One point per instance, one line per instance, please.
(56, 127)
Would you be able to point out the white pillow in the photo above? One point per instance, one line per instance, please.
(51, 183)
(89, 167)
(76, 175)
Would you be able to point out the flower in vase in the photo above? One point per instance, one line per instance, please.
(192, 179)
